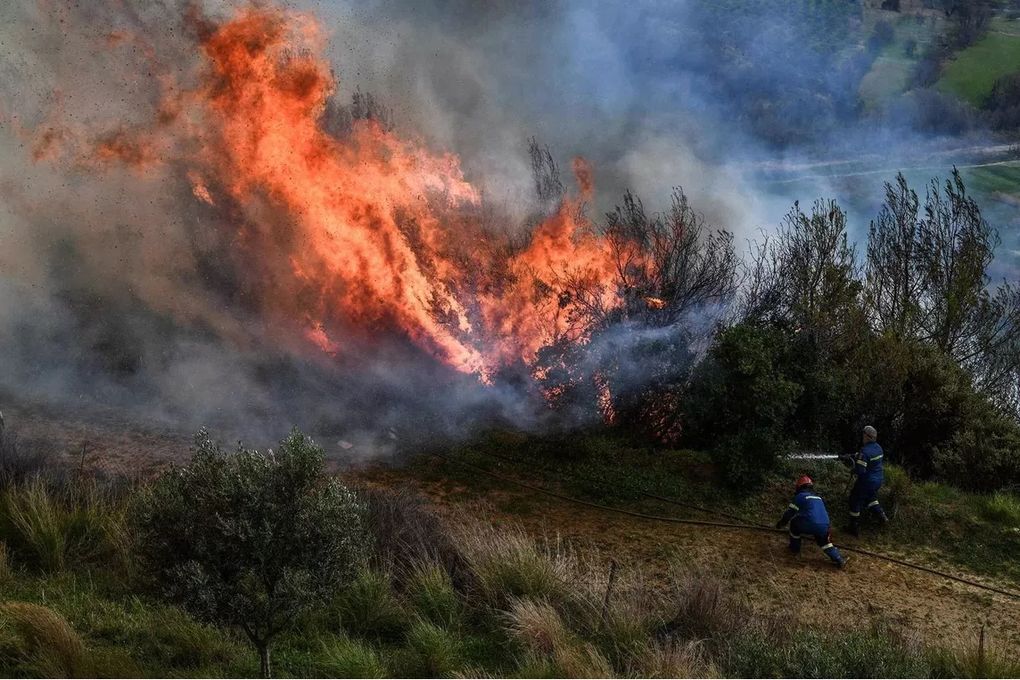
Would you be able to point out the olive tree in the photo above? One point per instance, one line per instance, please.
(250, 539)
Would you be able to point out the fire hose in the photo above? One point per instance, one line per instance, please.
(744, 525)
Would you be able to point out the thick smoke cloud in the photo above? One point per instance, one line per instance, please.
(117, 285)
(713, 96)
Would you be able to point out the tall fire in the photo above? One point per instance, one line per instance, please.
(376, 229)
(251, 228)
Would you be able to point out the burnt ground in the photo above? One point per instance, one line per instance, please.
(756, 565)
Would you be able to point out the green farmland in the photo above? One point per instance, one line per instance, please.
(974, 71)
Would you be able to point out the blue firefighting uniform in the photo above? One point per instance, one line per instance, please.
(807, 517)
(864, 494)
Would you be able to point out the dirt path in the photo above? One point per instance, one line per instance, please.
(757, 565)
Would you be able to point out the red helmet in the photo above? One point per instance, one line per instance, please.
(804, 481)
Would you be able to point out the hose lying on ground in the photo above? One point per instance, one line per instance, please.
(744, 525)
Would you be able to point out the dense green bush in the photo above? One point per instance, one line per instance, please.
(739, 402)
(983, 453)
(250, 539)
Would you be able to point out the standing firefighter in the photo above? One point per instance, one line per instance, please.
(867, 470)
(807, 517)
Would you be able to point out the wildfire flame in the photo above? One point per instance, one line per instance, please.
(369, 240)
(654, 302)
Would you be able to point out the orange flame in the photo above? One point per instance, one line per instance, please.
(368, 240)
(654, 302)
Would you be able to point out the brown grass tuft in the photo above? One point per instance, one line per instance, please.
(674, 659)
(49, 644)
(537, 625)
(703, 608)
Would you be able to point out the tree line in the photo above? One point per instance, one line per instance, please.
(809, 337)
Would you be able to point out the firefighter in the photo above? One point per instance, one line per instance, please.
(807, 516)
(867, 469)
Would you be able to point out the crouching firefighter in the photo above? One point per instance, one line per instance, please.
(868, 473)
(807, 517)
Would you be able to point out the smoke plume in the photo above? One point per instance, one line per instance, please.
(197, 225)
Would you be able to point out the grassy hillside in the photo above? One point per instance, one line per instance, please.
(972, 72)
(890, 73)
(996, 181)
(975, 532)
(462, 582)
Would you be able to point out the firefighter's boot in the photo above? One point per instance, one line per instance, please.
(832, 552)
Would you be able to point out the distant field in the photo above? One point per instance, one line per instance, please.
(890, 74)
(974, 71)
(995, 180)
(887, 78)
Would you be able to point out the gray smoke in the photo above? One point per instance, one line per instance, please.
(115, 286)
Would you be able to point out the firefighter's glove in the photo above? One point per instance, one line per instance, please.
(780, 524)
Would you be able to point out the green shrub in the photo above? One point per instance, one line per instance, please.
(368, 607)
(897, 483)
(739, 401)
(52, 529)
(434, 652)
(1002, 507)
(347, 658)
(743, 457)
(983, 453)
(431, 594)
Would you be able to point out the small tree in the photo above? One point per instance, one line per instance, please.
(250, 539)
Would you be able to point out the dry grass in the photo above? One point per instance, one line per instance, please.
(581, 660)
(704, 608)
(5, 565)
(973, 662)
(48, 644)
(508, 565)
(52, 529)
(674, 659)
(538, 626)
(21, 461)
(407, 534)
